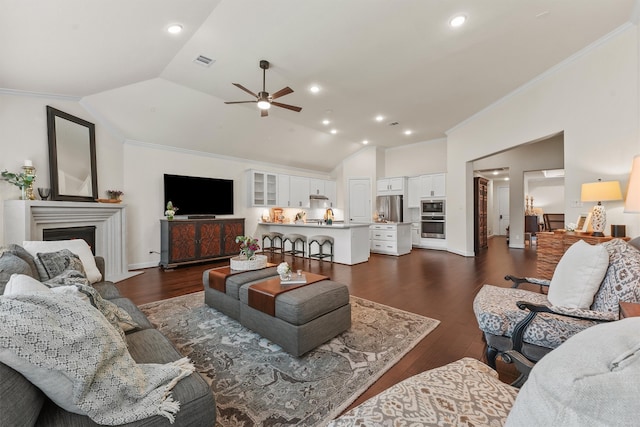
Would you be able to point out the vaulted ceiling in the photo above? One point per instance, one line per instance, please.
(398, 59)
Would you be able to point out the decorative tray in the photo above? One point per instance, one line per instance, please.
(295, 280)
(108, 200)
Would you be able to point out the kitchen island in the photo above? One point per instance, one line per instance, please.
(350, 241)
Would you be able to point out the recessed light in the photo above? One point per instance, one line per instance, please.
(408, 132)
(457, 21)
(506, 179)
(326, 122)
(379, 118)
(314, 89)
(174, 29)
(365, 142)
(495, 172)
(334, 131)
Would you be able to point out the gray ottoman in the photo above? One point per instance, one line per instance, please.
(228, 302)
(304, 318)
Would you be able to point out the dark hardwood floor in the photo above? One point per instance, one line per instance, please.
(435, 284)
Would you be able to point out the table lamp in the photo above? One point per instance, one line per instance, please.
(601, 191)
(632, 202)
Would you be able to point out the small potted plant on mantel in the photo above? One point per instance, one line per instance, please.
(114, 194)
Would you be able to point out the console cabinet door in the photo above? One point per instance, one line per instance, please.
(209, 239)
(182, 241)
(232, 228)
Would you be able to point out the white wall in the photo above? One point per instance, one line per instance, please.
(144, 168)
(23, 121)
(546, 154)
(592, 97)
(548, 195)
(417, 159)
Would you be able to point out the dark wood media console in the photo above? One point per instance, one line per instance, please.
(188, 241)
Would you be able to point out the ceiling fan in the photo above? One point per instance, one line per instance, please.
(263, 99)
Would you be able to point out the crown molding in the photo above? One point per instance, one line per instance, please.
(14, 92)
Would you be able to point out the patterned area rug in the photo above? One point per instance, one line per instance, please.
(256, 383)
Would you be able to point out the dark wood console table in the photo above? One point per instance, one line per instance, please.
(188, 241)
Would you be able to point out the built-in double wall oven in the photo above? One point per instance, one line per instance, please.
(432, 221)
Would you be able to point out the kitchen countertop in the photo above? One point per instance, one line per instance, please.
(314, 225)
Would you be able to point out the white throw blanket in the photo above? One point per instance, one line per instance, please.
(71, 352)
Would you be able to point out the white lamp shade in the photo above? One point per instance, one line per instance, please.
(601, 191)
(632, 202)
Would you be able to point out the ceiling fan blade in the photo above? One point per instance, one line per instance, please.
(287, 106)
(239, 102)
(282, 92)
(264, 113)
(238, 85)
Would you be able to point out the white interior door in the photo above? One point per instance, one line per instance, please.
(503, 210)
(360, 200)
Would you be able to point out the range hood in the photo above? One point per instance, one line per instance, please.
(318, 197)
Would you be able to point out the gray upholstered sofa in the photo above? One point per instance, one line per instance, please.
(23, 404)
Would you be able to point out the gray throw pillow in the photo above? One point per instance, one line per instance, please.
(11, 264)
(590, 380)
(22, 253)
(57, 262)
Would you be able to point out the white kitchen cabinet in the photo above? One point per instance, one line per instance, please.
(317, 187)
(330, 192)
(263, 188)
(389, 186)
(432, 185)
(413, 192)
(391, 239)
(299, 191)
(284, 197)
(416, 238)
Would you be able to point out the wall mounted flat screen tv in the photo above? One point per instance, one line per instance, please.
(198, 196)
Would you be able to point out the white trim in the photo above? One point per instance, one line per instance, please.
(14, 92)
(141, 265)
(545, 74)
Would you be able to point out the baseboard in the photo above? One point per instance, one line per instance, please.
(463, 253)
(143, 265)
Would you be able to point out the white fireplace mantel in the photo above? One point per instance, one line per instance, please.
(25, 220)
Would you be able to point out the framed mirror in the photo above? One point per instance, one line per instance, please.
(72, 157)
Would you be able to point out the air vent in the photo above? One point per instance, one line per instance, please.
(394, 124)
(204, 61)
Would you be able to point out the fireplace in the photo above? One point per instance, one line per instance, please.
(28, 220)
(87, 233)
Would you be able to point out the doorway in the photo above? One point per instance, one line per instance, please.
(360, 200)
(503, 210)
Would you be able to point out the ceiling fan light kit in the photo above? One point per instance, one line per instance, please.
(264, 100)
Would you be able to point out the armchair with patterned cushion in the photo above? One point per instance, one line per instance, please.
(587, 286)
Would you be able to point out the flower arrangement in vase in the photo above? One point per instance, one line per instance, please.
(23, 180)
(248, 246)
(171, 211)
(284, 270)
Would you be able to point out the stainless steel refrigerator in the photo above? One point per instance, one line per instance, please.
(389, 208)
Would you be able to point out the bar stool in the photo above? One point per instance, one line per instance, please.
(321, 241)
(294, 239)
(275, 242)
